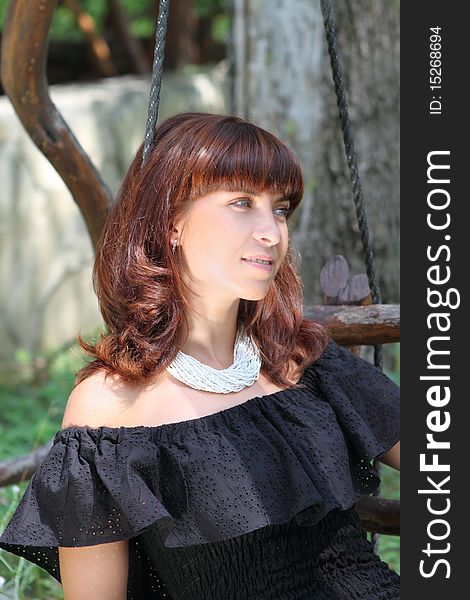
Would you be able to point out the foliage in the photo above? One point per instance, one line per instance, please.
(19, 578)
(140, 17)
(389, 545)
(31, 414)
(216, 10)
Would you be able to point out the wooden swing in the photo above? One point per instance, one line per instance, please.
(352, 309)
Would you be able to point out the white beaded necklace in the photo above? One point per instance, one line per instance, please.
(243, 372)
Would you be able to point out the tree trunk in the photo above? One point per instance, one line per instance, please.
(282, 81)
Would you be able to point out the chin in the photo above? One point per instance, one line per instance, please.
(254, 296)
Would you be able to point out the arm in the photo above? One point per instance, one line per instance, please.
(392, 457)
(95, 572)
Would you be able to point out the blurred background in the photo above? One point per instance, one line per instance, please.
(265, 60)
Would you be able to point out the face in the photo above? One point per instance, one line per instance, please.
(225, 229)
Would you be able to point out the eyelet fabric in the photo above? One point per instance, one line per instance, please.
(255, 501)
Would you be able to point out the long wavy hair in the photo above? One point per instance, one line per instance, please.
(138, 280)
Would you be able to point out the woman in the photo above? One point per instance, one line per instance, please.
(216, 444)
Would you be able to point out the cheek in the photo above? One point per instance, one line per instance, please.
(285, 242)
(211, 240)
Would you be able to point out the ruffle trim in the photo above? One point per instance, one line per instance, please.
(292, 454)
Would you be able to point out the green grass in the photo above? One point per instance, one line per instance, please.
(32, 408)
(32, 404)
(389, 545)
(23, 579)
(32, 411)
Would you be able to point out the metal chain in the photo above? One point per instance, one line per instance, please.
(157, 74)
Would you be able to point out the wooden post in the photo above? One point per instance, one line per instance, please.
(339, 288)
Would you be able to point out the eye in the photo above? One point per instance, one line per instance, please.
(242, 200)
(286, 209)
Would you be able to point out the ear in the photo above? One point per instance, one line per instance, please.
(180, 219)
(176, 230)
(177, 227)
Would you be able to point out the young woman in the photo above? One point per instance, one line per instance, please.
(215, 445)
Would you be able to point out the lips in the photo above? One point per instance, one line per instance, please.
(267, 259)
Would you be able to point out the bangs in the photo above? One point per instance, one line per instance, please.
(241, 156)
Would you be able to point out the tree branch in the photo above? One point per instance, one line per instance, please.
(23, 73)
(99, 48)
(133, 47)
(22, 468)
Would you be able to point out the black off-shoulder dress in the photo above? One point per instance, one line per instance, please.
(255, 502)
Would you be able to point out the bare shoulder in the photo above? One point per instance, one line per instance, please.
(96, 401)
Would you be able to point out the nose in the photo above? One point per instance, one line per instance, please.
(267, 230)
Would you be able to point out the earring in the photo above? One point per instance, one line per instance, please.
(175, 243)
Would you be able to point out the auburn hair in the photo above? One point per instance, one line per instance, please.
(139, 281)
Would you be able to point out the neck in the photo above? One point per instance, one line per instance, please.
(210, 337)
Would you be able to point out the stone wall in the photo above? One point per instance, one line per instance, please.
(46, 296)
